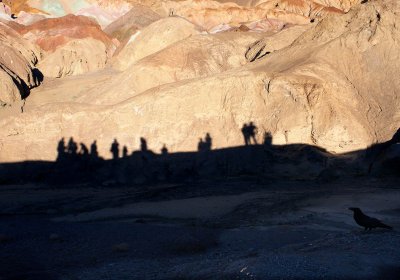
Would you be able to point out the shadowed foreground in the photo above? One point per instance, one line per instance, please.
(235, 213)
(295, 161)
(237, 229)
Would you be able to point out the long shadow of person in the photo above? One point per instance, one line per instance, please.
(61, 149)
(115, 149)
(94, 154)
(200, 145)
(72, 147)
(208, 142)
(205, 145)
(249, 132)
(252, 132)
(84, 151)
(143, 145)
(245, 132)
(267, 139)
(164, 150)
(125, 152)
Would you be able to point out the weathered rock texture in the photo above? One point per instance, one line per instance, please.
(5, 11)
(209, 14)
(53, 32)
(154, 38)
(72, 45)
(269, 44)
(21, 5)
(104, 12)
(334, 86)
(205, 13)
(195, 57)
(74, 58)
(137, 18)
(17, 66)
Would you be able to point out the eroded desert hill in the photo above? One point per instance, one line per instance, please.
(330, 82)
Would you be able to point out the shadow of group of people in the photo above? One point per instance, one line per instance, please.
(115, 150)
(249, 132)
(205, 145)
(81, 163)
(77, 162)
(253, 157)
(72, 149)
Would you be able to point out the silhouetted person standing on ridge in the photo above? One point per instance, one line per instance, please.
(61, 149)
(143, 144)
(72, 147)
(367, 222)
(115, 149)
(93, 150)
(124, 152)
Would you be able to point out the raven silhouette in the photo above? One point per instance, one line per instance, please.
(367, 222)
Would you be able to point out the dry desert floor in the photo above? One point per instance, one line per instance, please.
(240, 228)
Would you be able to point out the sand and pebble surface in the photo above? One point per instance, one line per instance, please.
(235, 229)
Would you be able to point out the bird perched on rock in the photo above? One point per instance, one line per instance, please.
(367, 222)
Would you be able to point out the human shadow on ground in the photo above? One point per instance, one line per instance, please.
(78, 164)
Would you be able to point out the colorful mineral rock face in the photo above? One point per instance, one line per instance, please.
(104, 13)
(174, 70)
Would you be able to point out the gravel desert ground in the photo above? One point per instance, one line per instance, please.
(242, 229)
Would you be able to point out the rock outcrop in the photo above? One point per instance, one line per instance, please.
(344, 5)
(5, 12)
(18, 73)
(195, 57)
(53, 32)
(72, 45)
(137, 18)
(269, 44)
(209, 14)
(306, 8)
(206, 13)
(9, 91)
(74, 58)
(154, 38)
(17, 6)
(104, 12)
